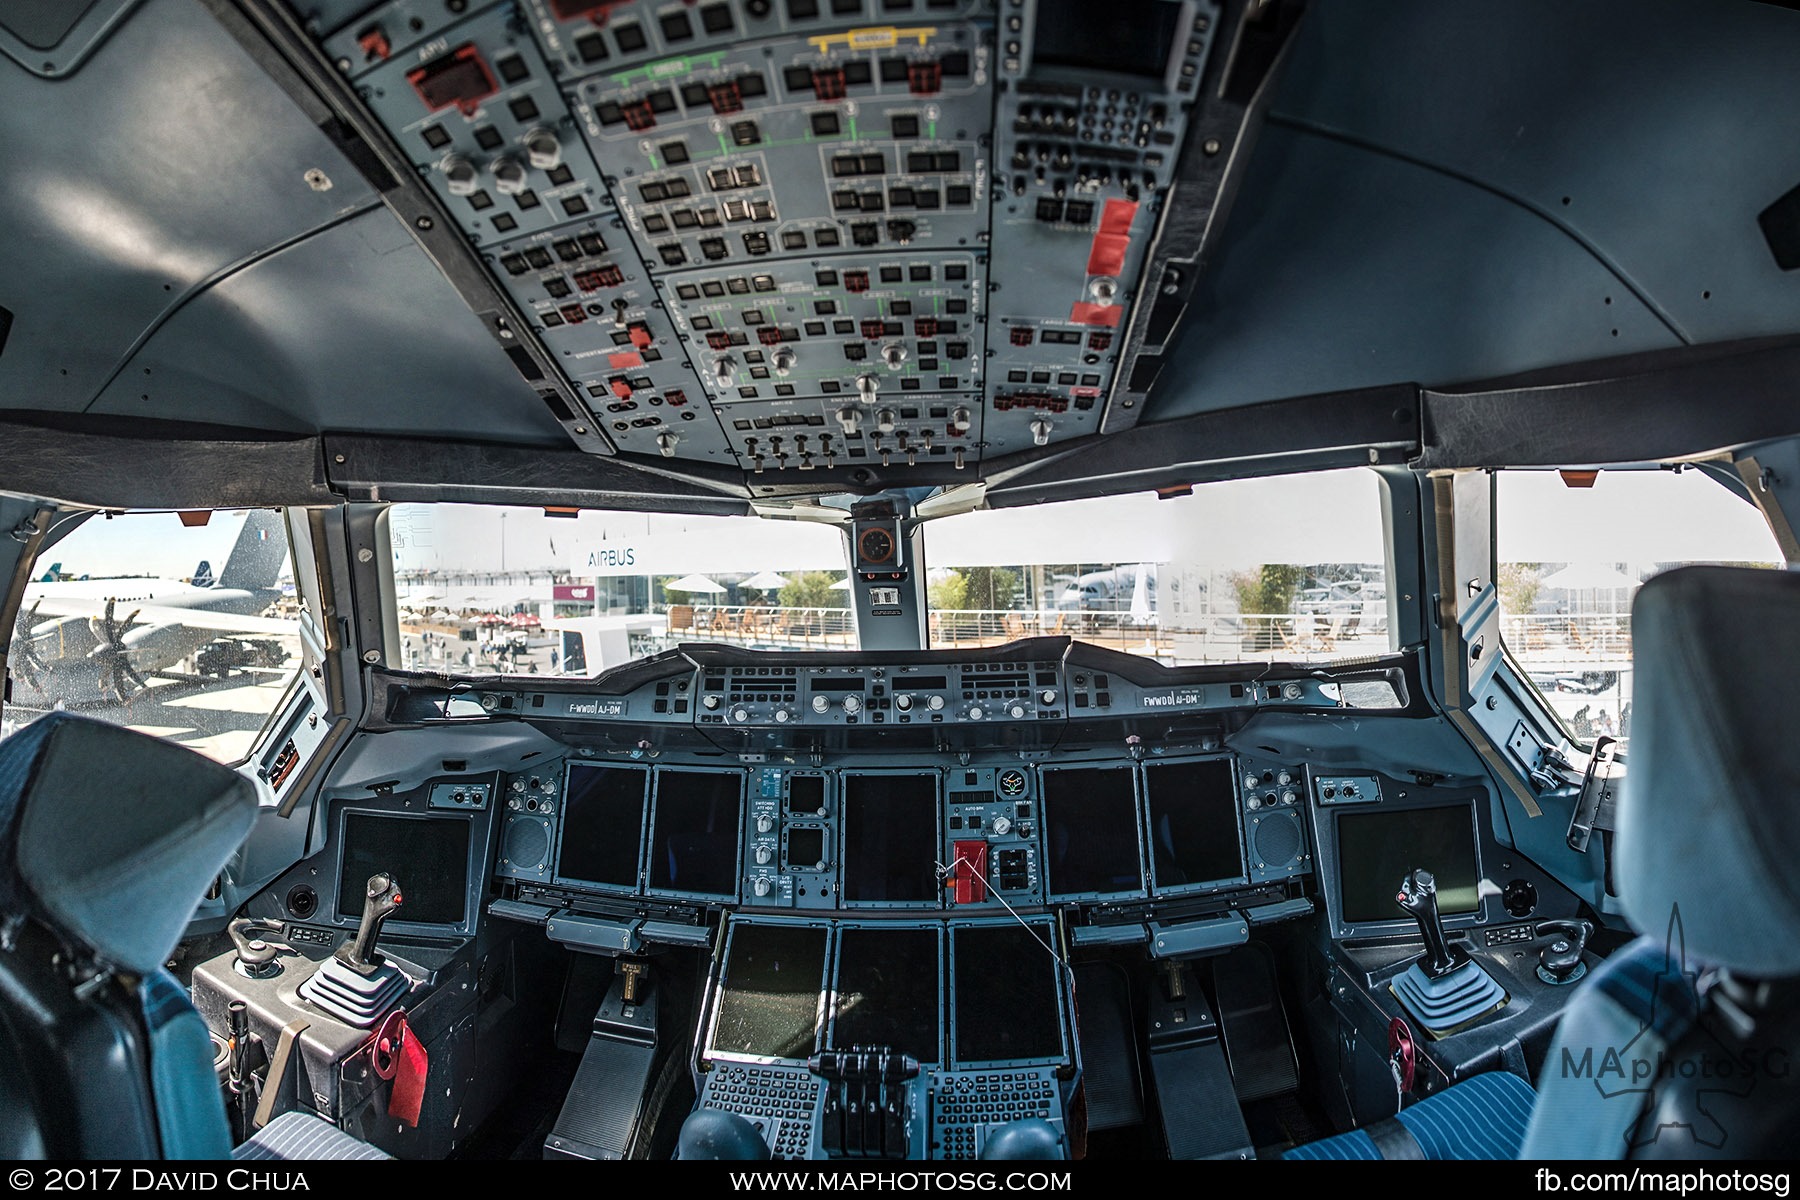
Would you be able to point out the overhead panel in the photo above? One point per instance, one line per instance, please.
(827, 241)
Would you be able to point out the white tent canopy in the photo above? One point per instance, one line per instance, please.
(694, 583)
(765, 581)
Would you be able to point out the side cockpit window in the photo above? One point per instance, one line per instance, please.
(182, 628)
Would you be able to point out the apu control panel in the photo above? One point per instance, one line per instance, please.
(801, 235)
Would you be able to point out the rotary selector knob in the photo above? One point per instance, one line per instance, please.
(903, 702)
(460, 175)
(783, 716)
(850, 418)
(1040, 432)
(893, 356)
(518, 785)
(1016, 712)
(975, 713)
(1047, 696)
(549, 787)
(1284, 778)
(1249, 781)
(513, 804)
(1289, 796)
(867, 386)
(764, 854)
(853, 704)
(884, 420)
(821, 704)
(710, 702)
(509, 175)
(1253, 802)
(740, 715)
(542, 150)
(765, 824)
(724, 372)
(935, 703)
(783, 361)
(1002, 825)
(960, 420)
(760, 887)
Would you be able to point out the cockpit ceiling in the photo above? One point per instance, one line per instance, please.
(204, 243)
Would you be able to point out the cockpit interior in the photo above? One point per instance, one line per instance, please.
(855, 581)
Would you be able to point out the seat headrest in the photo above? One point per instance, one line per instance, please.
(114, 836)
(1709, 821)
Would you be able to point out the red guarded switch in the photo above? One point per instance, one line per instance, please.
(969, 882)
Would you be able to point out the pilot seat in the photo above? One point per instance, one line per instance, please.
(108, 839)
(1679, 1045)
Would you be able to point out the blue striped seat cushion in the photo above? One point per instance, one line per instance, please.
(302, 1136)
(1483, 1117)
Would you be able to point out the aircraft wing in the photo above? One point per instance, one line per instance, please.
(161, 615)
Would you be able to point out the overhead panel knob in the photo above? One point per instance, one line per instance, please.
(665, 441)
(867, 386)
(850, 417)
(975, 713)
(960, 419)
(1040, 432)
(740, 715)
(893, 355)
(460, 176)
(783, 360)
(509, 175)
(725, 371)
(710, 702)
(542, 150)
(884, 420)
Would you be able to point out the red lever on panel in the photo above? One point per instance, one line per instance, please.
(970, 877)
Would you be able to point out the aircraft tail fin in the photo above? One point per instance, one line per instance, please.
(256, 559)
(203, 576)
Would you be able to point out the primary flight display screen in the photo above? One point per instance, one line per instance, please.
(1091, 835)
(1006, 993)
(887, 991)
(694, 838)
(890, 838)
(1376, 850)
(1193, 823)
(769, 998)
(602, 825)
(429, 856)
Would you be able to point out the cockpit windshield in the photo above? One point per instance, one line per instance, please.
(1290, 568)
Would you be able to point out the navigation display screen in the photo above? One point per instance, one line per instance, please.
(769, 998)
(887, 991)
(1377, 849)
(1006, 1005)
(1091, 832)
(603, 825)
(1132, 36)
(1193, 822)
(890, 838)
(694, 842)
(429, 856)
